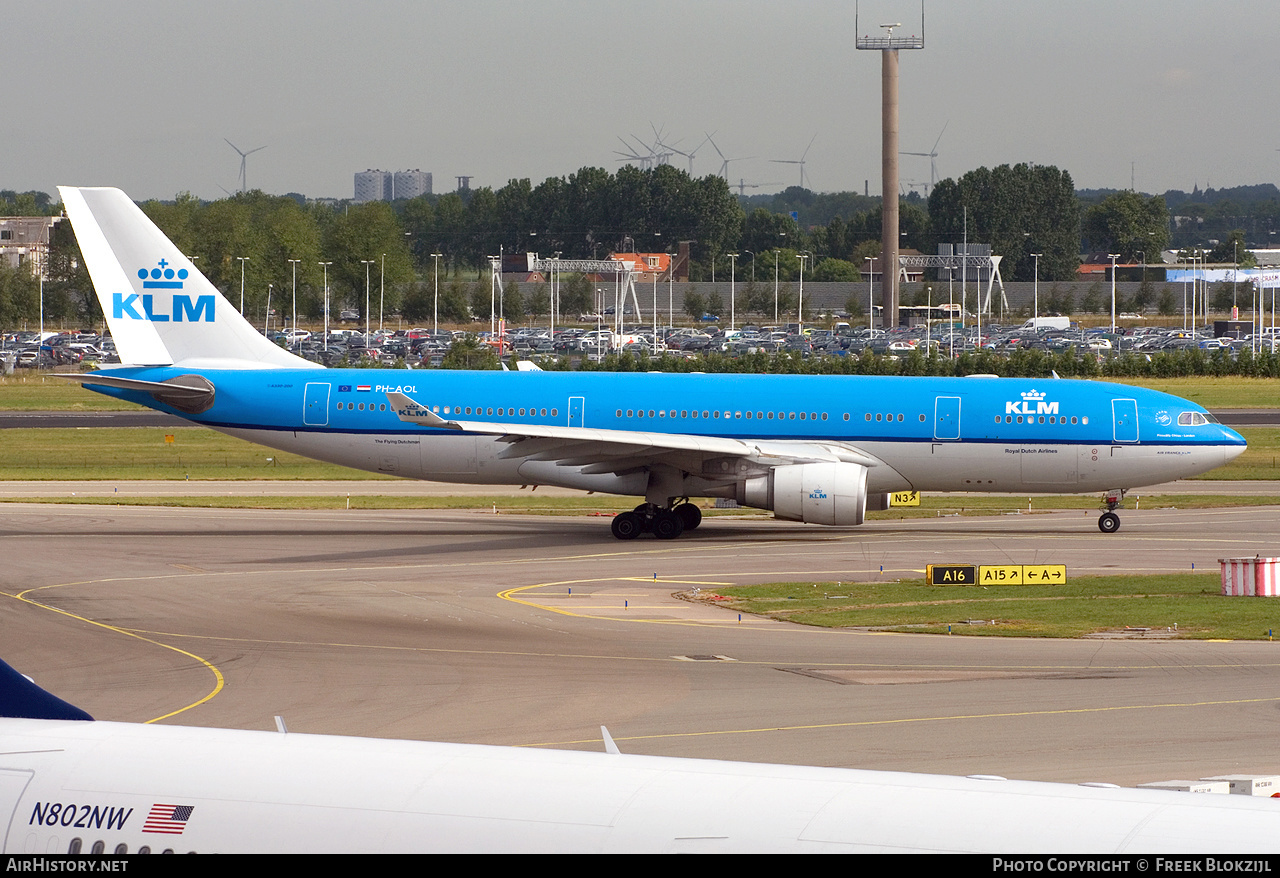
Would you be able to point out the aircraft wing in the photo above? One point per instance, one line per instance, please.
(619, 451)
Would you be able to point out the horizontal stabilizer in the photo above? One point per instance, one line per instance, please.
(192, 394)
(22, 699)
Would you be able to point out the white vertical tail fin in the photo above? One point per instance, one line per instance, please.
(160, 309)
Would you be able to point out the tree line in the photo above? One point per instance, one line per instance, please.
(385, 254)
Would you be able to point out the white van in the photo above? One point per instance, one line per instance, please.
(1046, 324)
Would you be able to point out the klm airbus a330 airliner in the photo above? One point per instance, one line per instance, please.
(812, 449)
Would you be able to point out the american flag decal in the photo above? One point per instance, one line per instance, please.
(168, 819)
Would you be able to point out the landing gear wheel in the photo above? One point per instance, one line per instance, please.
(689, 514)
(667, 525)
(627, 526)
(1109, 523)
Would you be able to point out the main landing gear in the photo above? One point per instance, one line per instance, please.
(1109, 522)
(664, 523)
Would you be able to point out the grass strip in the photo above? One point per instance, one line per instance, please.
(1183, 606)
(128, 453)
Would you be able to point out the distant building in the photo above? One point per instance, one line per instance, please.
(663, 266)
(647, 266)
(24, 240)
(411, 184)
(373, 185)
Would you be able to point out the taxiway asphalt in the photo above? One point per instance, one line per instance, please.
(466, 626)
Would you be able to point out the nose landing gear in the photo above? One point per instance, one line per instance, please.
(1109, 522)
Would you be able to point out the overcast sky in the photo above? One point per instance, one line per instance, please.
(140, 93)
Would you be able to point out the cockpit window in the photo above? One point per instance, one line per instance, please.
(1194, 419)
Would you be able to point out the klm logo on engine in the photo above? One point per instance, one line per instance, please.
(180, 308)
(1032, 403)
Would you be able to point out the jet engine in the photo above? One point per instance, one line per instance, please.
(816, 493)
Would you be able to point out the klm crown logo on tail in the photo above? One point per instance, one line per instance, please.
(164, 271)
(181, 307)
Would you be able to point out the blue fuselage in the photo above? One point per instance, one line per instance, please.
(975, 433)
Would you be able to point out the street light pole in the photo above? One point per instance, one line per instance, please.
(928, 321)
(1113, 257)
(326, 303)
(367, 263)
(1183, 260)
(871, 301)
(1235, 277)
(733, 267)
(776, 254)
(951, 316)
(671, 291)
(1035, 308)
(295, 262)
(435, 305)
(800, 307)
(243, 260)
(382, 289)
(1142, 287)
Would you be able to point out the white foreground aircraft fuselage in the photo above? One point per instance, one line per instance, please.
(82, 786)
(813, 449)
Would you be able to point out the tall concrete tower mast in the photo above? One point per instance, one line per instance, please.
(888, 45)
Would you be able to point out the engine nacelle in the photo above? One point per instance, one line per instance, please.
(815, 493)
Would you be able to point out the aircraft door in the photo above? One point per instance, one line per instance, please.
(946, 418)
(1124, 418)
(315, 404)
(576, 405)
(12, 784)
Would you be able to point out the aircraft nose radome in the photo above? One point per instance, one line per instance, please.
(1234, 445)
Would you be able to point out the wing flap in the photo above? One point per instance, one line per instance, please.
(412, 412)
(604, 451)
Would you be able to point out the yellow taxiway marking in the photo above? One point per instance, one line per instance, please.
(915, 719)
(148, 636)
(611, 613)
(218, 680)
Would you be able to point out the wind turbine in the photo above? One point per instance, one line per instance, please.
(933, 156)
(653, 157)
(645, 161)
(800, 161)
(243, 160)
(724, 162)
(689, 155)
(664, 158)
